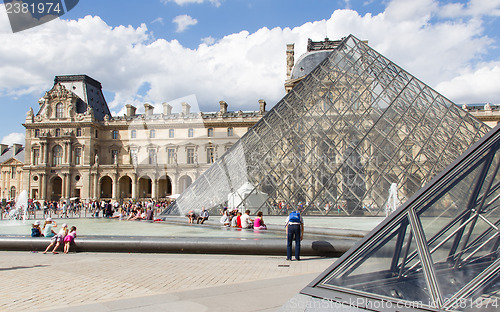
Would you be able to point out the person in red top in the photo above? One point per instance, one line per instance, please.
(238, 220)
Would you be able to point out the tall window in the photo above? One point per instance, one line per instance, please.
(36, 157)
(133, 156)
(59, 110)
(190, 132)
(13, 192)
(210, 132)
(133, 134)
(57, 155)
(37, 133)
(152, 156)
(171, 133)
(58, 132)
(78, 156)
(190, 155)
(115, 134)
(152, 133)
(229, 132)
(12, 172)
(210, 155)
(114, 157)
(171, 156)
(96, 134)
(78, 132)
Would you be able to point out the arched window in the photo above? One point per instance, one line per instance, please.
(13, 192)
(57, 155)
(59, 110)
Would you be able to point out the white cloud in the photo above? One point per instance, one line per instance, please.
(473, 86)
(208, 40)
(183, 22)
(14, 137)
(157, 20)
(244, 67)
(216, 3)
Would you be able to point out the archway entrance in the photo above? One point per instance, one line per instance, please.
(56, 189)
(145, 187)
(106, 187)
(184, 183)
(164, 187)
(125, 187)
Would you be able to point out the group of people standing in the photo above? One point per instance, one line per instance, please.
(56, 239)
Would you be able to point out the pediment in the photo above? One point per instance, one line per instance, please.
(12, 162)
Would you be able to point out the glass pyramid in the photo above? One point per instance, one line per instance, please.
(439, 251)
(337, 141)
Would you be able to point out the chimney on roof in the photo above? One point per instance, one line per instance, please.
(17, 148)
(148, 109)
(186, 108)
(167, 109)
(3, 148)
(262, 106)
(289, 59)
(223, 107)
(130, 110)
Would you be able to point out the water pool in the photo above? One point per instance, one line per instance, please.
(114, 227)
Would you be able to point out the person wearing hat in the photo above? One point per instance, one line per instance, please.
(58, 239)
(47, 227)
(35, 229)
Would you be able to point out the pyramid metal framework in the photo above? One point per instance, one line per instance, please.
(439, 251)
(335, 143)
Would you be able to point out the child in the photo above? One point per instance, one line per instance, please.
(69, 239)
(47, 228)
(58, 239)
(35, 230)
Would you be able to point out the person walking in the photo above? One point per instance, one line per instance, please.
(294, 231)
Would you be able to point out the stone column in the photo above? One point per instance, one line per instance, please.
(115, 193)
(63, 186)
(68, 185)
(43, 186)
(134, 186)
(154, 187)
(96, 186)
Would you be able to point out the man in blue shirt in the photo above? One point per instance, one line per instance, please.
(294, 231)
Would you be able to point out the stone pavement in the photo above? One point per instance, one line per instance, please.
(151, 282)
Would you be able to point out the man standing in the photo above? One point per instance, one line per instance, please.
(294, 231)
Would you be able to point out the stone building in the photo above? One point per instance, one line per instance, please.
(11, 168)
(76, 149)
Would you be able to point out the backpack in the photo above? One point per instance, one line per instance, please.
(294, 217)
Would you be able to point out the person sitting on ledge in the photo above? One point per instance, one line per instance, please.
(246, 222)
(191, 216)
(35, 230)
(258, 223)
(203, 216)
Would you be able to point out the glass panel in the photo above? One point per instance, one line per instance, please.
(341, 137)
(384, 268)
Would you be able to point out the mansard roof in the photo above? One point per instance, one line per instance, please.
(12, 152)
(89, 91)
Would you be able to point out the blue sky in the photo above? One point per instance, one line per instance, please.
(234, 50)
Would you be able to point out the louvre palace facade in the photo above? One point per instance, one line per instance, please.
(75, 148)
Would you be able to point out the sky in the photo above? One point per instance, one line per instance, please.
(157, 51)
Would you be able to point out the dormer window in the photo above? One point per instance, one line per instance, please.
(59, 110)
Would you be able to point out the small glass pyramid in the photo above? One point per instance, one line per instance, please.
(337, 142)
(439, 251)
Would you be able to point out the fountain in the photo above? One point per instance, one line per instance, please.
(21, 207)
(392, 201)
